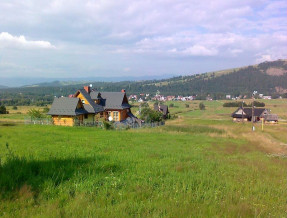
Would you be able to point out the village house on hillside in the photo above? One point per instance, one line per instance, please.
(88, 105)
(259, 113)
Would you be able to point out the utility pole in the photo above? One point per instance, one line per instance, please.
(242, 111)
(253, 95)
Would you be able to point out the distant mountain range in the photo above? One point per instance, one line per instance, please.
(38, 81)
(3, 87)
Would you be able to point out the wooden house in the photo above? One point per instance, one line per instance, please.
(66, 111)
(112, 106)
(246, 114)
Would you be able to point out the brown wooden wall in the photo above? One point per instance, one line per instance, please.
(63, 120)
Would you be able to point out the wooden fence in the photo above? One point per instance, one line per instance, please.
(99, 124)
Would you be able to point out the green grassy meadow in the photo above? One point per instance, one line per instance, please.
(199, 164)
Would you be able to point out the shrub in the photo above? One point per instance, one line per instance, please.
(107, 125)
(15, 108)
(187, 105)
(201, 106)
(3, 110)
(258, 104)
(234, 104)
(149, 115)
(239, 104)
(45, 110)
(35, 113)
(171, 105)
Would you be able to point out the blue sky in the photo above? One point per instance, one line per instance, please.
(85, 38)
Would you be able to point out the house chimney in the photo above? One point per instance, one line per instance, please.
(87, 88)
(123, 90)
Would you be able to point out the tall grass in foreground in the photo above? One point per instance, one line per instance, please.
(60, 171)
(193, 129)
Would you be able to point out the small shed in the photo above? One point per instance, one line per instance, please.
(163, 109)
(271, 118)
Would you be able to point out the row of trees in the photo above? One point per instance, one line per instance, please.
(239, 104)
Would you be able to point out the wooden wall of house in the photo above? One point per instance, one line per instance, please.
(123, 114)
(90, 118)
(63, 120)
(239, 119)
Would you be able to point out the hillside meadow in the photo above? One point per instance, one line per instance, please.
(199, 164)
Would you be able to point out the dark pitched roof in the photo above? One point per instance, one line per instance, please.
(66, 106)
(94, 95)
(93, 107)
(257, 111)
(247, 112)
(162, 108)
(113, 100)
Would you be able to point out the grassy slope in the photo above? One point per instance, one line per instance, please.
(191, 166)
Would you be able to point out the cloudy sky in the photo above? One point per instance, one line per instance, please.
(90, 38)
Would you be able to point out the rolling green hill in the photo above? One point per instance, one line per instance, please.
(268, 78)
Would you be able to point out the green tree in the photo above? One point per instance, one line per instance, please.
(3, 110)
(45, 110)
(34, 113)
(201, 106)
(149, 115)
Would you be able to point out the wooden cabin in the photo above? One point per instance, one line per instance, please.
(115, 104)
(66, 111)
(246, 114)
(112, 106)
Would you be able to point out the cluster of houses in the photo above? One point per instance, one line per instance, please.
(142, 97)
(158, 97)
(172, 98)
(261, 96)
(89, 105)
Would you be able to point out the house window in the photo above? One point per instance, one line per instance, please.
(86, 116)
(83, 101)
(115, 115)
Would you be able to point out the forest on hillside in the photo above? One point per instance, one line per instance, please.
(238, 82)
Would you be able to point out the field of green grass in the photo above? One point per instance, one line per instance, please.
(199, 164)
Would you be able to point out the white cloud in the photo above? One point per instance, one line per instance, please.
(9, 41)
(263, 58)
(161, 31)
(199, 50)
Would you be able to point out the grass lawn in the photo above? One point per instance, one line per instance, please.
(17, 115)
(200, 164)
